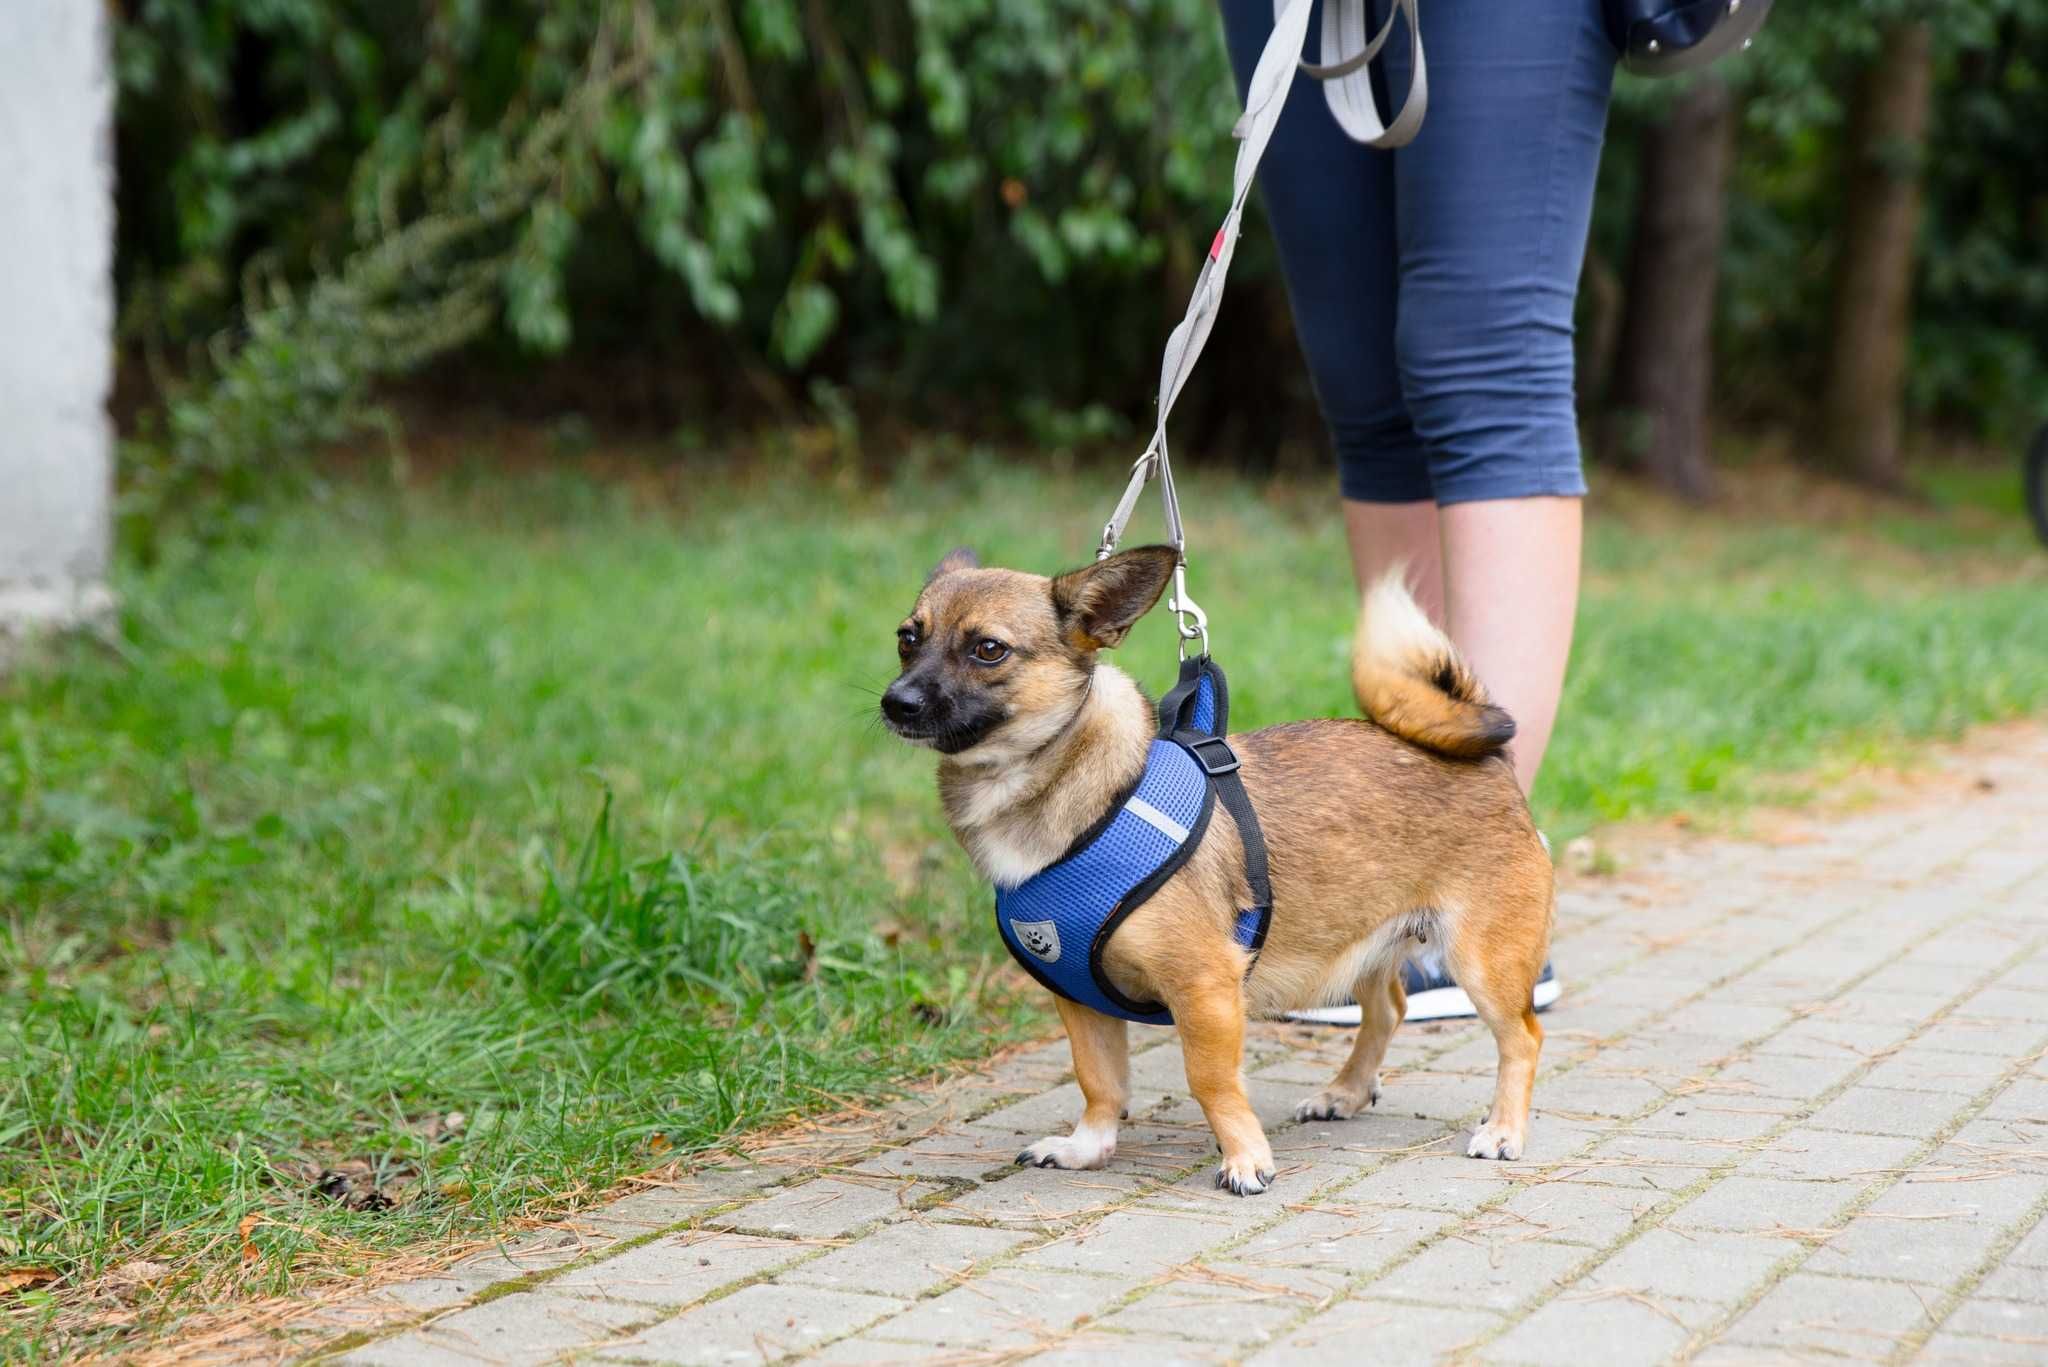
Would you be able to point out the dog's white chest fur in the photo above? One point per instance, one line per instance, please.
(1016, 803)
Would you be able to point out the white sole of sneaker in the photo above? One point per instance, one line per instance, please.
(1439, 1003)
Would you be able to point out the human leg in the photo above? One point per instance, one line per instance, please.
(1492, 203)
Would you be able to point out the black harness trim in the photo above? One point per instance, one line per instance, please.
(1212, 751)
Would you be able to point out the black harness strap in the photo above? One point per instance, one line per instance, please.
(1177, 722)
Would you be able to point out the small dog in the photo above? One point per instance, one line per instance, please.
(1400, 836)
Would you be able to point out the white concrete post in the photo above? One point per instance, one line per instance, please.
(56, 311)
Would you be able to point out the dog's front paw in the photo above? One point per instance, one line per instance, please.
(1334, 1103)
(1074, 1151)
(1495, 1141)
(1244, 1176)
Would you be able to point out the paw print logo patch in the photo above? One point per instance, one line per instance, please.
(1042, 938)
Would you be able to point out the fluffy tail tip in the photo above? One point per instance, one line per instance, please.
(1411, 680)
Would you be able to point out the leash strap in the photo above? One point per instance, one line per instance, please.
(1347, 86)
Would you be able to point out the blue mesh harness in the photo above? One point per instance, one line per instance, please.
(1056, 922)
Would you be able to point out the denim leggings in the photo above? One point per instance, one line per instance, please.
(1432, 286)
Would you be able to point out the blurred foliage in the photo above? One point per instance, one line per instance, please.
(922, 202)
(1978, 363)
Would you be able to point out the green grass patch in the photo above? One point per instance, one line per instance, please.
(520, 799)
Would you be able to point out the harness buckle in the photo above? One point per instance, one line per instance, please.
(1213, 753)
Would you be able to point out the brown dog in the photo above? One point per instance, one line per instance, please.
(1400, 836)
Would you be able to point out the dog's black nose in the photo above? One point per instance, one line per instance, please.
(904, 702)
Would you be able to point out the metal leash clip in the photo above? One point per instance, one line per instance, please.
(1194, 623)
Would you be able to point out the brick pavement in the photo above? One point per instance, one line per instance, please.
(1794, 1106)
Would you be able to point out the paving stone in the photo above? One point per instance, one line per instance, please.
(867, 1350)
(1228, 1305)
(2032, 1250)
(1376, 1331)
(1053, 1111)
(1715, 1114)
(529, 1327)
(1495, 1274)
(1790, 1075)
(659, 1207)
(1005, 1308)
(678, 1270)
(1163, 1068)
(1056, 1110)
(2012, 1281)
(755, 1324)
(960, 1152)
(1350, 1239)
(1579, 1212)
(1872, 1110)
(1132, 1243)
(1683, 1161)
(906, 1259)
(1948, 1349)
(1833, 1317)
(1043, 1198)
(1578, 1328)
(825, 1208)
(1927, 1233)
(1918, 1068)
(1758, 1205)
(1699, 1265)
(1588, 1093)
(1830, 1156)
(1437, 1181)
(1729, 1021)
(1163, 1151)
(2008, 1320)
(1375, 1137)
(1106, 1348)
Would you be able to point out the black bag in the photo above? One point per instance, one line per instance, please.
(1665, 37)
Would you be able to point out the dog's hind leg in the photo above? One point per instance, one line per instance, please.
(1102, 1065)
(1496, 956)
(1382, 1003)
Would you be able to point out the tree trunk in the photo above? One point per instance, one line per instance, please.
(1664, 365)
(1862, 397)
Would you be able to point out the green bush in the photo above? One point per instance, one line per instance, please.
(936, 205)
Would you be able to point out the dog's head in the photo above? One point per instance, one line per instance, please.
(1000, 659)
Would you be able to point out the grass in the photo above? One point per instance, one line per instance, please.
(442, 856)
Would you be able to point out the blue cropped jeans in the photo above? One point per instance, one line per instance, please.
(1432, 286)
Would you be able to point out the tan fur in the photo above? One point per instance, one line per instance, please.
(1379, 831)
(1409, 679)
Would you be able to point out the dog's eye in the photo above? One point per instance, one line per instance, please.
(990, 651)
(906, 637)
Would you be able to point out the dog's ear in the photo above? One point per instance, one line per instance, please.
(959, 558)
(1099, 603)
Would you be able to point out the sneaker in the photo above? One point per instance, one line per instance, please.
(1431, 997)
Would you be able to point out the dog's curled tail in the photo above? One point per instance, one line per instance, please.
(1412, 681)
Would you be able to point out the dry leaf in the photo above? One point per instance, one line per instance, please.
(26, 1278)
